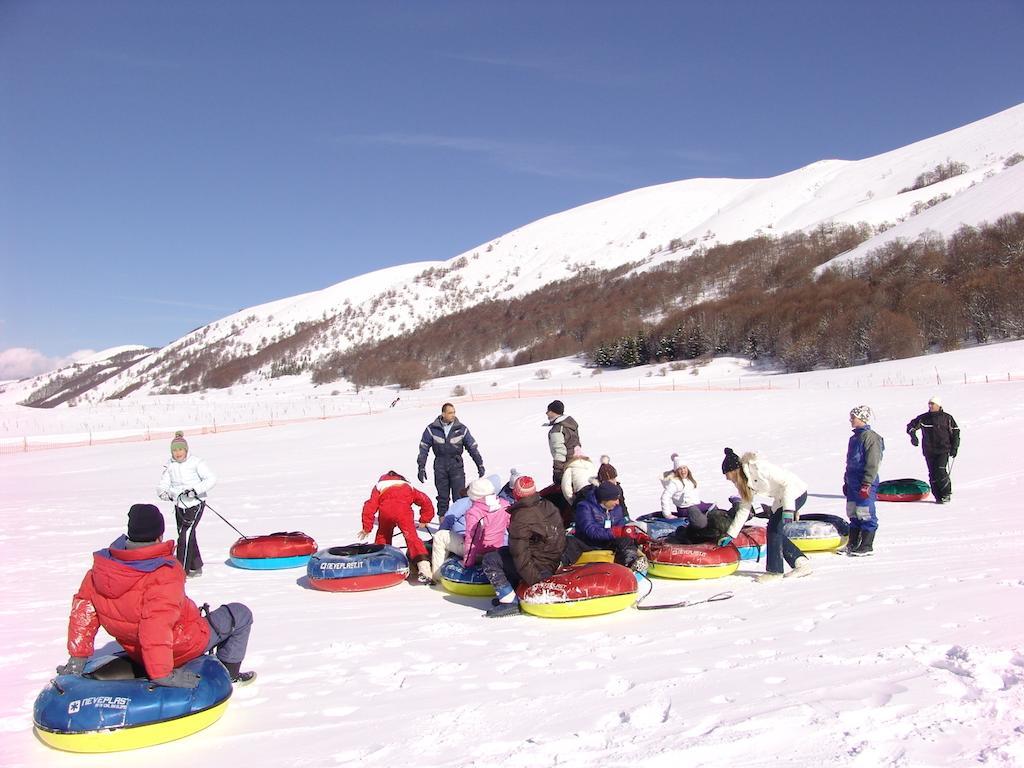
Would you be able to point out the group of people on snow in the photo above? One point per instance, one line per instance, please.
(135, 589)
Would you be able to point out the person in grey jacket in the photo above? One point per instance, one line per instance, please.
(860, 481)
(563, 437)
(448, 437)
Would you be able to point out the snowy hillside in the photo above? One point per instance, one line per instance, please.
(911, 658)
(646, 226)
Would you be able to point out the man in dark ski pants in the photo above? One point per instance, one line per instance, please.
(941, 442)
(448, 437)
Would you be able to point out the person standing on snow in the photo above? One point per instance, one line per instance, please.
(752, 476)
(186, 481)
(563, 437)
(449, 437)
(941, 443)
(391, 502)
(135, 590)
(860, 481)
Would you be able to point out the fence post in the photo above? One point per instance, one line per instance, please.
(24, 444)
(90, 437)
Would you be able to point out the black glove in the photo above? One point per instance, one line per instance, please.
(179, 678)
(480, 469)
(914, 441)
(952, 454)
(75, 666)
(422, 475)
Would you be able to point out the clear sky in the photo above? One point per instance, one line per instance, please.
(163, 164)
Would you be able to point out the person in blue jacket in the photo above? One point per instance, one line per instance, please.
(448, 437)
(860, 481)
(600, 523)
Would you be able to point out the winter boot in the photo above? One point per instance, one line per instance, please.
(237, 676)
(424, 576)
(801, 568)
(503, 610)
(767, 577)
(867, 541)
(851, 543)
(641, 565)
(194, 574)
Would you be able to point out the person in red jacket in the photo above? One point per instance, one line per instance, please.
(393, 498)
(136, 592)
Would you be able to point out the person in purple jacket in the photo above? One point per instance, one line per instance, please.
(600, 524)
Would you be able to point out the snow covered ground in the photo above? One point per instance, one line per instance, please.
(913, 657)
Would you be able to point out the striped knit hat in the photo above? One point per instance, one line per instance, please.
(179, 443)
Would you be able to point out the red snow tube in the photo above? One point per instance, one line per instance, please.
(292, 544)
(273, 551)
(581, 590)
(691, 561)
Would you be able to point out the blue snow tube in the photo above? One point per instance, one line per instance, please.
(109, 709)
(460, 580)
(357, 568)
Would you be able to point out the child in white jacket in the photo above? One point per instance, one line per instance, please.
(680, 490)
(576, 476)
(185, 481)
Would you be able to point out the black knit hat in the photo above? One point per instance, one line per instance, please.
(607, 491)
(556, 406)
(145, 523)
(731, 461)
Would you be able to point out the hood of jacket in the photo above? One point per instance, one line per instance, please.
(116, 569)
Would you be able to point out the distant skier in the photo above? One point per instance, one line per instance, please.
(394, 402)
(449, 437)
(860, 481)
(563, 436)
(941, 443)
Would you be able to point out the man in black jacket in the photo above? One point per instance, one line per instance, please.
(448, 437)
(941, 443)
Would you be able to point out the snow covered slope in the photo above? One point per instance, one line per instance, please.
(636, 226)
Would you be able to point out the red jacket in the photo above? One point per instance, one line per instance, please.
(138, 597)
(394, 497)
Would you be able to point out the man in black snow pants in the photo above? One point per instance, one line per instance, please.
(941, 442)
(448, 437)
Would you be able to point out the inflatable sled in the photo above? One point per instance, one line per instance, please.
(580, 590)
(357, 568)
(595, 556)
(273, 551)
(460, 580)
(109, 709)
(691, 561)
(817, 533)
(905, 489)
(751, 542)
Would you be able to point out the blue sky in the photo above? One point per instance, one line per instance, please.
(163, 164)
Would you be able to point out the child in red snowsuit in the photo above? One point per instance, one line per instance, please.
(393, 498)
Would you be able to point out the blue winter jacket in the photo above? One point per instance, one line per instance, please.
(594, 523)
(863, 457)
(448, 446)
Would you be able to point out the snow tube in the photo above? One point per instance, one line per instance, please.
(357, 568)
(751, 542)
(580, 590)
(691, 561)
(905, 489)
(595, 556)
(109, 709)
(273, 551)
(460, 580)
(817, 533)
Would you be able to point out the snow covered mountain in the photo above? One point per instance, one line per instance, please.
(646, 227)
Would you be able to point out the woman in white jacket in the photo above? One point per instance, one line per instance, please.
(753, 476)
(578, 472)
(680, 490)
(185, 481)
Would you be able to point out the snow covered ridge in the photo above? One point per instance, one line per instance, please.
(646, 227)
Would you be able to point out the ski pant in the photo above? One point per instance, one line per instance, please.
(624, 548)
(500, 569)
(450, 481)
(229, 632)
(187, 551)
(861, 512)
(938, 474)
(445, 543)
(779, 546)
(406, 525)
